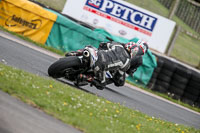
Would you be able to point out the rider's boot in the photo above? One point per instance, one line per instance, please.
(82, 80)
(98, 84)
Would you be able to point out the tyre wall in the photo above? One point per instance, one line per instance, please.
(176, 79)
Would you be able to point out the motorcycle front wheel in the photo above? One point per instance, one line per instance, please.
(58, 68)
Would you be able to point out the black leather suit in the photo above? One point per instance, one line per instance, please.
(112, 56)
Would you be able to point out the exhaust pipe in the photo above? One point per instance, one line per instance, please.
(86, 53)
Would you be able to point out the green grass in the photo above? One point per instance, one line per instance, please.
(82, 110)
(187, 50)
(55, 4)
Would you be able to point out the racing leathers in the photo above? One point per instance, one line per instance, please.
(117, 57)
(112, 56)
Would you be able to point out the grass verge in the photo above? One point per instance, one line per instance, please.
(186, 50)
(84, 111)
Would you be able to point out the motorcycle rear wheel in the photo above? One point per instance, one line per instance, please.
(58, 68)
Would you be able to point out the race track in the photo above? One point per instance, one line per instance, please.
(18, 117)
(17, 55)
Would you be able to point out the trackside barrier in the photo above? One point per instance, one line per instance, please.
(176, 79)
(27, 19)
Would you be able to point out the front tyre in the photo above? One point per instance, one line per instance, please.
(57, 69)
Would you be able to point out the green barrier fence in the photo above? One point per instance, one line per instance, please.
(67, 35)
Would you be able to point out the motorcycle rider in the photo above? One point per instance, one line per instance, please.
(118, 57)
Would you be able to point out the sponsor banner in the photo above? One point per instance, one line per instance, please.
(26, 18)
(123, 19)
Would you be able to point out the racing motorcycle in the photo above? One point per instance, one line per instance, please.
(77, 67)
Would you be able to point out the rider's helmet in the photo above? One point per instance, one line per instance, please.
(133, 48)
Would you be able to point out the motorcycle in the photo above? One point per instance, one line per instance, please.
(77, 67)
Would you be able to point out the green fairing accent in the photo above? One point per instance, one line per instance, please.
(67, 35)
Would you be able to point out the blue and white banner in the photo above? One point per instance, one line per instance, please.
(122, 14)
(123, 19)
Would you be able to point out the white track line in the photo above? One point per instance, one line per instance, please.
(49, 53)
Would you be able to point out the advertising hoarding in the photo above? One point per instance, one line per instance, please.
(26, 18)
(123, 19)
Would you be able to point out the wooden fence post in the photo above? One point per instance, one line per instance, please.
(173, 8)
(198, 67)
(172, 43)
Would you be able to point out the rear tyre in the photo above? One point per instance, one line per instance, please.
(57, 69)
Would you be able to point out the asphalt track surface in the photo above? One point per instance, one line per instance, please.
(19, 56)
(18, 117)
